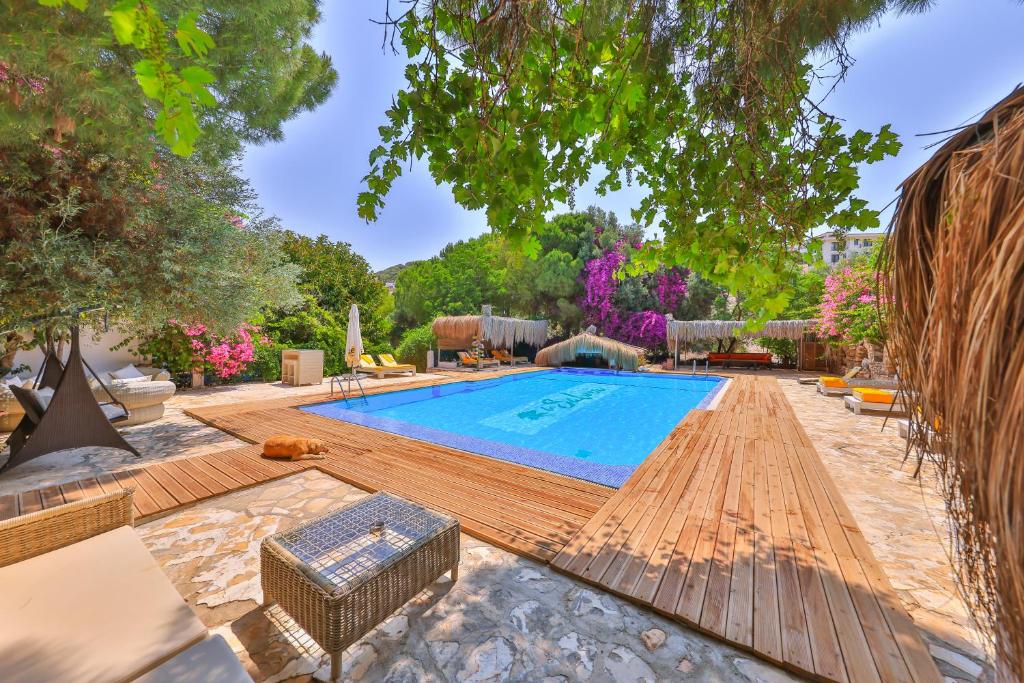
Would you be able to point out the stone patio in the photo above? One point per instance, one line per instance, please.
(507, 618)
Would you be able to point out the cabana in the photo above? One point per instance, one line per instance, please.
(457, 332)
(616, 353)
(695, 330)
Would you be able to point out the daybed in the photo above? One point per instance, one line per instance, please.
(754, 360)
(84, 600)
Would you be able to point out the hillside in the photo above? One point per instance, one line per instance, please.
(391, 272)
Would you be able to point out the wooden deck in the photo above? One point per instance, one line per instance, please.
(732, 525)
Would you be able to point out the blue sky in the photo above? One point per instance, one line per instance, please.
(922, 73)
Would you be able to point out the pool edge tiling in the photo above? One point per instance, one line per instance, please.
(611, 475)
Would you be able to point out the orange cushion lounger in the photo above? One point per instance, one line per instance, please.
(883, 396)
(833, 382)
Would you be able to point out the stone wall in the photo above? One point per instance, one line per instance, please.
(878, 363)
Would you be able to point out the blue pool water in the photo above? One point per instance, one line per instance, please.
(591, 424)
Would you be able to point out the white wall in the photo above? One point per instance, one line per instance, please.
(96, 352)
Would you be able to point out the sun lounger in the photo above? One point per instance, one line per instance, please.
(829, 385)
(504, 356)
(388, 361)
(368, 366)
(875, 402)
(467, 361)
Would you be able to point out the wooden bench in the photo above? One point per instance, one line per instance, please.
(754, 360)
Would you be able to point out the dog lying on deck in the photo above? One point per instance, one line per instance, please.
(293, 448)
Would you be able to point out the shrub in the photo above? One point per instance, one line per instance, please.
(414, 345)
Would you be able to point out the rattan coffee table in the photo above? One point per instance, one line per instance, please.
(340, 575)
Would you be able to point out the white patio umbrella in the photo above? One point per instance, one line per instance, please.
(353, 338)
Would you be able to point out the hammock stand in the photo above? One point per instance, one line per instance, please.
(73, 418)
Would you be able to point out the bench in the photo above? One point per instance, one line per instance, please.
(754, 360)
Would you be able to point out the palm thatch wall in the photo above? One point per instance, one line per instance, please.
(695, 330)
(458, 331)
(621, 355)
(955, 263)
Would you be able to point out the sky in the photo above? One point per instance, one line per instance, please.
(921, 73)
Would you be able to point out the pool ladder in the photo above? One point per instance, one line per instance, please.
(695, 367)
(349, 379)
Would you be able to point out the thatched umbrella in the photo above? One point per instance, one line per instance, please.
(694, 330)
(458, 331)
(955, 263)
(615, 352)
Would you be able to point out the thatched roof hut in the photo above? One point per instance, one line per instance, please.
(617, 353)
(955, 264)
(457, 332)
(693, 330)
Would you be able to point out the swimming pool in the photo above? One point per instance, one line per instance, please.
(591, 424)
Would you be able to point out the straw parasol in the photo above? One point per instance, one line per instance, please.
(955, 266)
(694, 330)
(458, 331)
(617, 353)
(353, 338)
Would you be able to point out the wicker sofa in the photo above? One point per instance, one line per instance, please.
(84, 600)
(144, 399)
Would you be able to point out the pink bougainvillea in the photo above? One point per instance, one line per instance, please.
(227, 356)
(849, 309)
(644, 328)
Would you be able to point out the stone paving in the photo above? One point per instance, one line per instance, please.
(506, 619)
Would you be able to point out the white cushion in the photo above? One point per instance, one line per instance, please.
(98, 610)
(42, 396)
(127, 372)
(129, 380)
(210, 661)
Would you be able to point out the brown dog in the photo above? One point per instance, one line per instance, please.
(293, 448)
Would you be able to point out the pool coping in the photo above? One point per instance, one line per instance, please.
(613, 476)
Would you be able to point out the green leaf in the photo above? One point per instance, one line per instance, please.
(124, 20)
(192, 39)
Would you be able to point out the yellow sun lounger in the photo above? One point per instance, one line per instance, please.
(368, 366)
(877, 401)
(837, 386)
(388, 361)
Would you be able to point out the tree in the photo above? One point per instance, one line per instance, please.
(96, 212)
(705, 105)
(462, 277)
(333, 277)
